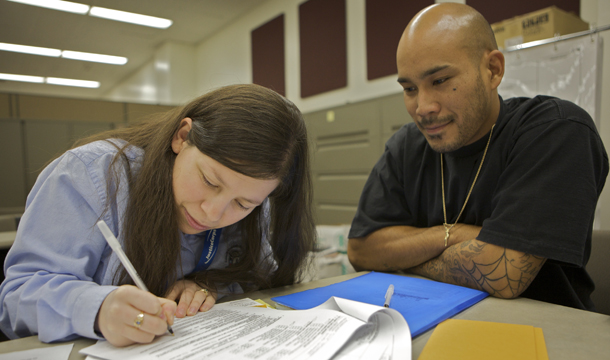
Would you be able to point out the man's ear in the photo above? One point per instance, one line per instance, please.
(179, 139)
(496, 68)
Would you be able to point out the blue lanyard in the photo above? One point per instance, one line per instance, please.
(209, 249)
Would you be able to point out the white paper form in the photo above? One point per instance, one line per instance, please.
(60, 352)
(228, 332)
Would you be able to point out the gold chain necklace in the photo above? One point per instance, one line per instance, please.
(445, 225)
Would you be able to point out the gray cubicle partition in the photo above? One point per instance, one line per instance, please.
(35, 129)
(12, 176)
(46, 139)
(346, 143)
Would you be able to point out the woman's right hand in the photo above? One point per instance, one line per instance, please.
(116, 319)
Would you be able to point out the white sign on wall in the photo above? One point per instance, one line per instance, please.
(568, 69)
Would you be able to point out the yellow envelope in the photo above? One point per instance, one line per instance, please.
(468, 339)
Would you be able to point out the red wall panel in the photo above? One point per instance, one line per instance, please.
(323, 46)
(385, 22)
(268, 67)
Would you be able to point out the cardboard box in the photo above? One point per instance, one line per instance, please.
(542, 24)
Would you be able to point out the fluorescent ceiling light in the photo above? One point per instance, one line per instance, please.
(72, 82)
(57, 5)
(74, 55)
(24, 78)
(129, 17)
(100, 12)
(50, 80)
(35, 50)
(106, 59)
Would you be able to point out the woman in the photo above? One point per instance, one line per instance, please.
(213, 196)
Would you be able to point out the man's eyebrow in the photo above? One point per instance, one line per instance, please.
(425, 74)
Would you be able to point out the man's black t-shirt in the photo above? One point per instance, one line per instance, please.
(536, 193)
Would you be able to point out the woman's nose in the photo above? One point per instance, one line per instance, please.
(214, 208)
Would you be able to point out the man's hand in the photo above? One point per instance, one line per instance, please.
(401, 247)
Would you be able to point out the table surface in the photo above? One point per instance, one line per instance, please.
(569, 333)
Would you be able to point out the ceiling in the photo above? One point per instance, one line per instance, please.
(193, 21)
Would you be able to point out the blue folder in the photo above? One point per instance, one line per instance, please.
(423, 303)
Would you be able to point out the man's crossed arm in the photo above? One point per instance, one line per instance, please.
(502, 272)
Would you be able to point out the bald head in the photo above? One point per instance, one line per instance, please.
(457, 24)
(450, 69)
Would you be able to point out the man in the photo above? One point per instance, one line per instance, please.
(492, 194)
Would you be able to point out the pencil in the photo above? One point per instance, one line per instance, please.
(116, 247)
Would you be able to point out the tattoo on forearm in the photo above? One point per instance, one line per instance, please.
(503, 277)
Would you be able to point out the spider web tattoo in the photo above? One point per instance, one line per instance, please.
(494, 277)
(505, 277)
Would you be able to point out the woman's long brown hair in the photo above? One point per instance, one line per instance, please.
(249, 129)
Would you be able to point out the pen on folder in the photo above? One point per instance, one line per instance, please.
(116, 247)
(388, 296)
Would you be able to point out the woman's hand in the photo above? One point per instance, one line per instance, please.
(192, 298)
(118, 316)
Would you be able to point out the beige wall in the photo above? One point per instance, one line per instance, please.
(225, 58)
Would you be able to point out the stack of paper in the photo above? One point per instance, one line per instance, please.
(338, 329)
(479, 340)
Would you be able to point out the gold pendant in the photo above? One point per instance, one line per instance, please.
(447, 228)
